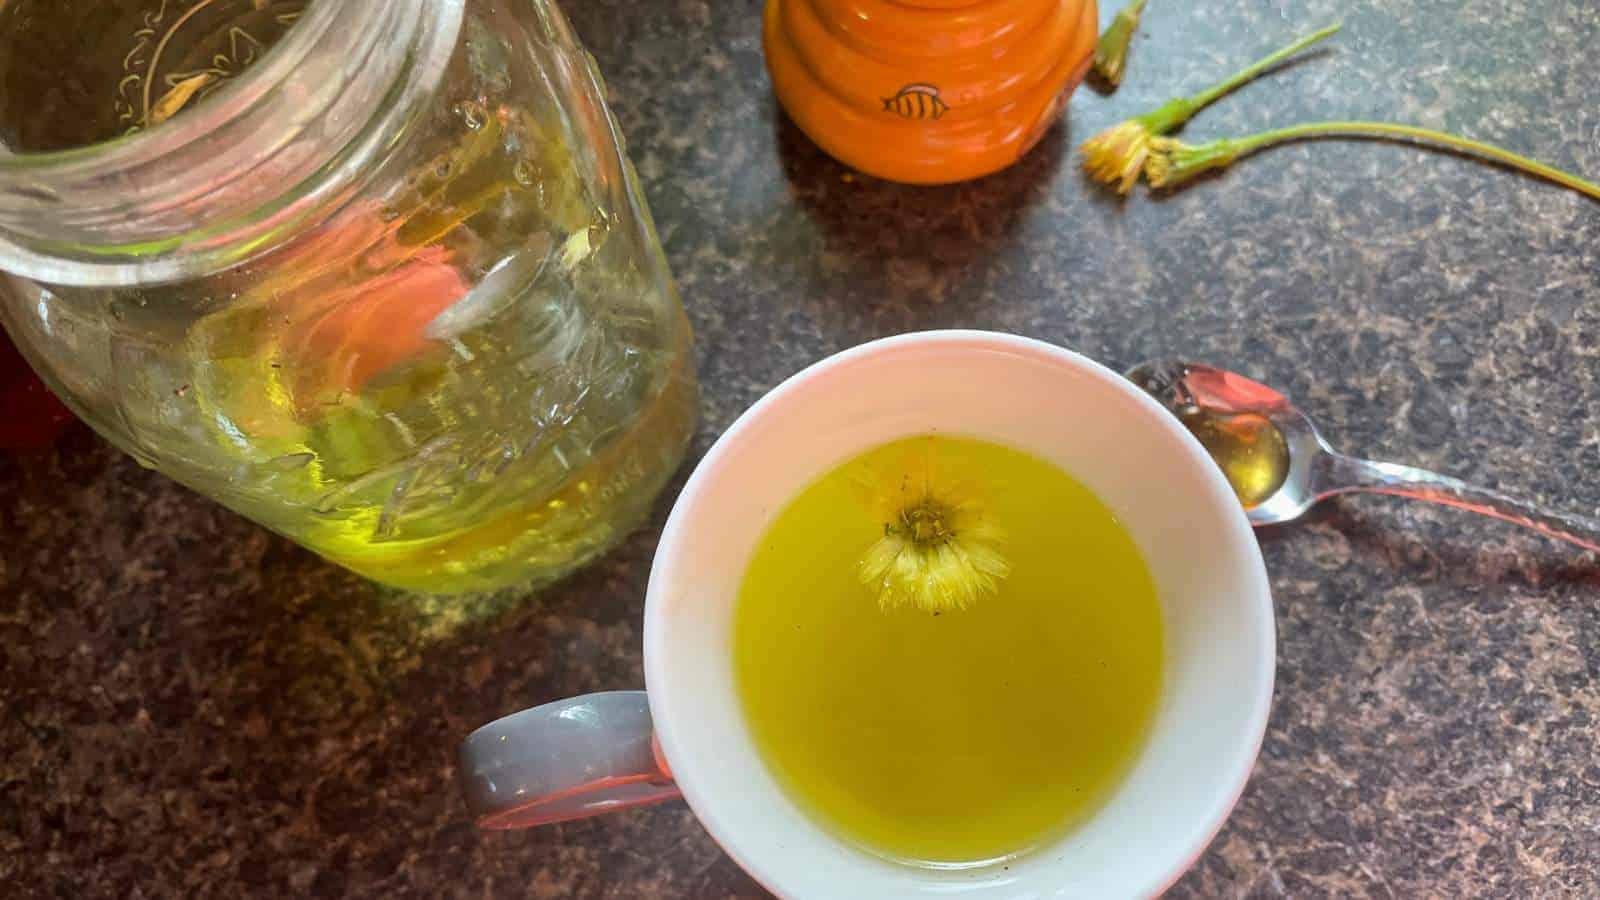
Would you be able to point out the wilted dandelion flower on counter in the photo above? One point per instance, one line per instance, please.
(1118, 155)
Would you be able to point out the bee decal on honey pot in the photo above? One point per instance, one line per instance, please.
(916, 101)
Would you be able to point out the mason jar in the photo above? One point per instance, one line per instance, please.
(376, 274)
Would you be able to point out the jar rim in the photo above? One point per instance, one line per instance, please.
(228, 179)
(232, 99)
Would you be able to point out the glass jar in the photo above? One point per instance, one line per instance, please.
(388, 287)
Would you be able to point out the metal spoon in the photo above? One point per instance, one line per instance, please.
(1280, 466)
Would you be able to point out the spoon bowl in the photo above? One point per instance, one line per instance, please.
(1280, 465)
(1270, 450)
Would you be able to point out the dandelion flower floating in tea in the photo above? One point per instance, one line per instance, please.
(939, 549)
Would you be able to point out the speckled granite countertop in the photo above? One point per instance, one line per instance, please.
(189, 706)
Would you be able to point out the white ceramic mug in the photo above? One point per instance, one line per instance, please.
(591, 754)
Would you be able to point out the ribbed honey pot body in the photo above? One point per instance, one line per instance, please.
(927, 91)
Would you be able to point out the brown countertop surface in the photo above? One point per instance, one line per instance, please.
(190, 706)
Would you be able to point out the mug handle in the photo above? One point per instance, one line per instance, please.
(570, 759)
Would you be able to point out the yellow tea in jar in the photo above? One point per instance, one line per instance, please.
(426, 331)
(935, 734)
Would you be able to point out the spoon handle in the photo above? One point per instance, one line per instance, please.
(1340, 474)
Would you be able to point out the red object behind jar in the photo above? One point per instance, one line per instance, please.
(30, 416)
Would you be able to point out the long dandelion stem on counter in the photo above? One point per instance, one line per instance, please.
(1172, 163)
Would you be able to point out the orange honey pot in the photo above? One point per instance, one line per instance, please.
(928, 91)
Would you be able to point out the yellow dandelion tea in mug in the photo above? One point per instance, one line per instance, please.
(948, 651)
